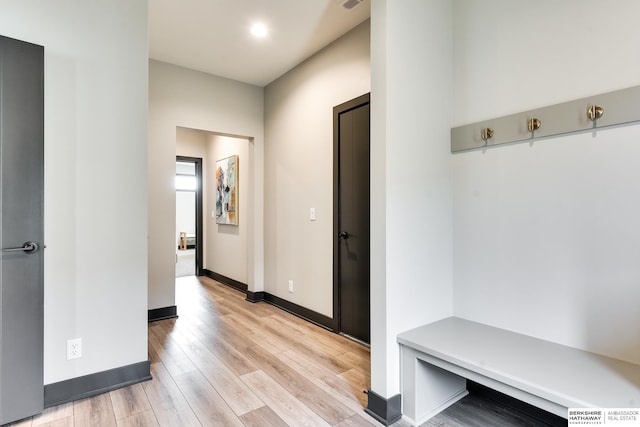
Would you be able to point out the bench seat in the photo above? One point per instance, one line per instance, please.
(436, 360)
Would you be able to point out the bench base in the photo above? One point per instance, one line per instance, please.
(430, 385)
(427, 389)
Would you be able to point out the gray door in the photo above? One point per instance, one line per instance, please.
(351, 218)
(21, 231)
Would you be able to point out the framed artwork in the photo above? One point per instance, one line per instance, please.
(227, 191)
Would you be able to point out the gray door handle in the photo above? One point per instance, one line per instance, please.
(28, 247)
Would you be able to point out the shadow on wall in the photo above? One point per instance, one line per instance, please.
(611, 322)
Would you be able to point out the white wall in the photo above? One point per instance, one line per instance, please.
(299, 165)
(179, 97)
(546, 235)
(95, 177)
(227, 244)
(412, 226)
(512, 56)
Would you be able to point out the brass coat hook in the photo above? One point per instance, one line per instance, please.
(486, 133)
(533, 124)
(595, 112)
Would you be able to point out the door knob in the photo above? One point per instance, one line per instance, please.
(343, 235)
(28, 247)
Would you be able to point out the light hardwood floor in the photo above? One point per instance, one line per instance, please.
(227, 362)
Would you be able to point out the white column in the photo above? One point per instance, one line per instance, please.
(411, 190)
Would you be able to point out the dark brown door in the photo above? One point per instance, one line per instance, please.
(351, 219)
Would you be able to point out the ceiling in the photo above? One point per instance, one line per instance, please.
(214, 35)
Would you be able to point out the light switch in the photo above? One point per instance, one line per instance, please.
(312, 214)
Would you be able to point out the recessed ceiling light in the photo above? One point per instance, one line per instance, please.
(259, 30)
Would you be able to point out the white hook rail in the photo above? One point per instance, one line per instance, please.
(594, 112)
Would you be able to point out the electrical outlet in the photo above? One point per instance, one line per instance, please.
(74, 348)
(291, 286)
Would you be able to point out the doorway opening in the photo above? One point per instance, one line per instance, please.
(188, 216)
(224, 248)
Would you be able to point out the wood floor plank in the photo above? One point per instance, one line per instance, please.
(95, 411)
(327, 380)
(339, 343)
(263, 417)
(261, 336)
(249, 333)
(322, 403)
(235, 392)
(217, 341)
(193, 290)
(244, 328)
(357, 421)
(142, 419)
(168, 403)
(231, 357)
(357, 379)
(63, 422)
(53, 414)
(262, 333)
(357, 361)
(209, 407)
(239, 341)
(170, 354)
(237, 325)
(129, 401)
(287, 322)
(348, 344)
(281, 330)
(152, 355)
(286, 406)
(334, 364)
(184, 330)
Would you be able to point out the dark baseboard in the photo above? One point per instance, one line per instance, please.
(298, 310)
(295, 309)
(501, 399)
(155, 314)
(255, 296)
(226, 280)
(94, 384)
(385, 411)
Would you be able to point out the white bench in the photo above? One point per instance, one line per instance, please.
(436, 359)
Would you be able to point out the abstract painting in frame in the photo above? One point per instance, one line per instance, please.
(227, 191)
